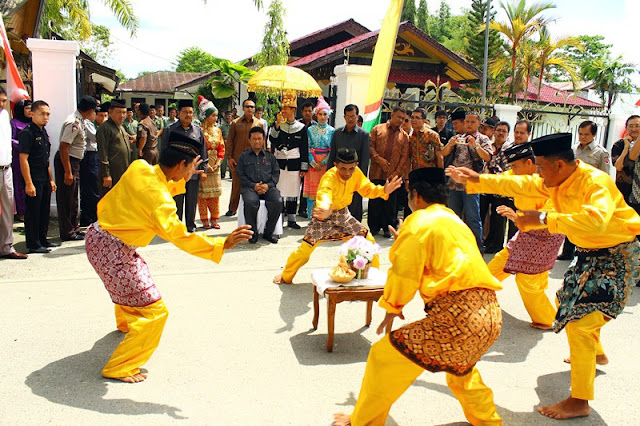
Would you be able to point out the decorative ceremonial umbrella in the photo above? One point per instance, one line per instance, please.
(276, 79)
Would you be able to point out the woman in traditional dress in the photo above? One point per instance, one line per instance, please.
(21, 119)
(211, 187)
(319, 136)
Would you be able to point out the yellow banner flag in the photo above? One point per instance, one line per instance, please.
(382, 57)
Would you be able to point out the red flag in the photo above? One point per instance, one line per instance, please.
(16, 91)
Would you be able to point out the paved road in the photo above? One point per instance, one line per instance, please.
(240, 350)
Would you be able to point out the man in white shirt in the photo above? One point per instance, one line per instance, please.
(6, 185)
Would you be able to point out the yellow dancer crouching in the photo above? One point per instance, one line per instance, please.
(529, 255)
(139, 207)
(332, 220)
(590, 210)
(436, 254)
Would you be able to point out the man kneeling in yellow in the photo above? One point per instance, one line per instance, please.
(529, 255)
(139, 207)
(436, 254)
(590, 210)
(331, 218)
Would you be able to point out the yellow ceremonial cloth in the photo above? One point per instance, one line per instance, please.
(141, 206)
(435, 253)
(336, 193)
(587, 207)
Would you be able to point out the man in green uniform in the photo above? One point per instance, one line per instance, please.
(113, 147)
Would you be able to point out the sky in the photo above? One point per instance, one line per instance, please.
(234, 29)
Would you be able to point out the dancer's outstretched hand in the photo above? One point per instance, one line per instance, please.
(507, 212)
(387, 322)
(395, 231)
(239, 235)
(392, 185)
(462, 174)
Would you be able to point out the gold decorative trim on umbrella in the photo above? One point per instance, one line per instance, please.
(276, 79)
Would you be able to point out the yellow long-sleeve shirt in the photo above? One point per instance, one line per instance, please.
(587, 207)
(435, 253)
(336, 193)
(141, 206)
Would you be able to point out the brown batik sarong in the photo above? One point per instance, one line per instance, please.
(459, 328)
(338, 226)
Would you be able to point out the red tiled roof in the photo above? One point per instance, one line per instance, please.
(549, 94)
(159, 82)
(366, 37)
(349, 25)
(414, 77)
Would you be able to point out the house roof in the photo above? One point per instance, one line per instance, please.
(158, 82)
(197, 80)
(549, 94)
(458, 68)
(349, 27)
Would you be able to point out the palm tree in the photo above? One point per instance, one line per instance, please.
(522, 22)
(610, 78)
(549, 55)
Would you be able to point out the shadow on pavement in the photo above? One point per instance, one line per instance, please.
(559, 269)
(551, 388)
(294, 302)
(348, 348)
(75, 381)
(515, 342)
(64, 251)
(350, 401)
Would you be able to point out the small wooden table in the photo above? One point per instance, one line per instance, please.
(368, 290)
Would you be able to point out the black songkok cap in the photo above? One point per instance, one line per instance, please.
(185, 103)
(489, 122)
(185, 144)
(551, 144)
(87, 103)
(459, 114)
(117, 103)
(144, 109)
(347, 156)
(100, 108)
(518, 152)
(104, 107)
(431, 175)
(441, 112)
(129, 109)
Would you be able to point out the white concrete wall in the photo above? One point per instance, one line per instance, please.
(352, 87)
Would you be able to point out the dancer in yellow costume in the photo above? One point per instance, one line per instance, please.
(332, 220)
(590, 210)
(139, 207)
(528, 255)
(436, 254)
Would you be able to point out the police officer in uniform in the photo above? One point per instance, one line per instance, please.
(89, 195)
(67, 168)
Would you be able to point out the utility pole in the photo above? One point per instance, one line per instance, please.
(486, 54)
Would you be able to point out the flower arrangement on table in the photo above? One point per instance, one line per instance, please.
(358, 253)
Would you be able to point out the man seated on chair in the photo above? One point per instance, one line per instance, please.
(331, 218)
(259, 172)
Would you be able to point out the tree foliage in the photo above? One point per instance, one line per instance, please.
(422, 16)
(71, 18)
(476, 34)
(409, 11)
(194, 59)
(275, 51)
(610, 77)
(98, 45)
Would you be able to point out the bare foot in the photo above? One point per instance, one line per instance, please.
(279, 280)
(341, 419)
(567, 409)
(540, 326)
(136, 378)
(600, 360)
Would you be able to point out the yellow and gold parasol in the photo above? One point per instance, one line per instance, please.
(278, 79)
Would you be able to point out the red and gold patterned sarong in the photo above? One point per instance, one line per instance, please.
(123, 271)
(337, 227)
(459, 328)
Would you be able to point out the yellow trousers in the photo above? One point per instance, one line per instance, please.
(388, 374)
(584, 346)
(143, 326)
(301, 255)
(531, 288)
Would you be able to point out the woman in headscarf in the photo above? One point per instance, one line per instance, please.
(319, 135)
(211, 187)
(21, 119)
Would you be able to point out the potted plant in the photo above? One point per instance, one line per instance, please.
(358, 252)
